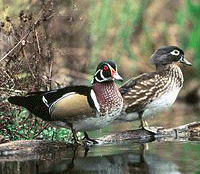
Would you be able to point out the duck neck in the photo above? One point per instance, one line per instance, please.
(165, 67)
(173, 71)
(108, 95)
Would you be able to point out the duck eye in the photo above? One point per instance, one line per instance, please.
(175, 52)
(105, 68)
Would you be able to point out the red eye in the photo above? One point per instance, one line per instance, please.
(105, 68)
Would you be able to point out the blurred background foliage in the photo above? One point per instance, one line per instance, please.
(65, 39)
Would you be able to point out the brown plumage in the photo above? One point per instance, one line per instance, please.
(147, 87)
(152, 92)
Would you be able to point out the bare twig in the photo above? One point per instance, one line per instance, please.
(10, 78)
(38, 43)
(23, 38)
(12, 90)
(46, 125)
(24, 53)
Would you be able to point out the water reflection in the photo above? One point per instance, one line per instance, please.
(113, 164)
(105, 159)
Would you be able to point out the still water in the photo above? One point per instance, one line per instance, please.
(174, 156)
(155, 157)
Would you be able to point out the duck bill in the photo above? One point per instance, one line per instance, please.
(116, 76)
(184, 61)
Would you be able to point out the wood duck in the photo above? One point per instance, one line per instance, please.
(81, 108)
(150, 93)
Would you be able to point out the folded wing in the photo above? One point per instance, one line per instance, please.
(65, 104)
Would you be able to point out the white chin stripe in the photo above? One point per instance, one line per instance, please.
(103, 80)
(101, 74)
(93, 96)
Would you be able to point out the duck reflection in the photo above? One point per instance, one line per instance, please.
(98, 159)
(123, 163)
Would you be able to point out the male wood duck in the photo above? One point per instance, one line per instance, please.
(150, 93)
(81, 108)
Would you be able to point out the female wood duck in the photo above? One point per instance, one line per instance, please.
(81, 108)
(150, 93)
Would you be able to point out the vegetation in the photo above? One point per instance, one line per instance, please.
(58, 43)
(192, 39)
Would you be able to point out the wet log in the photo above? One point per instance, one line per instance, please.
(188, 132)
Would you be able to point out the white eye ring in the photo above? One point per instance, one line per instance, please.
(175, 52)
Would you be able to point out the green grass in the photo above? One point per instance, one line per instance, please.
(112, 25)
(188, 19)
(20, 125)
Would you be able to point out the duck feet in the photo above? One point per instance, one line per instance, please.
(75, 138)
(143, 124)
(89, 139)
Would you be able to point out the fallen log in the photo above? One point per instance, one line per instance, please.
(188, 132)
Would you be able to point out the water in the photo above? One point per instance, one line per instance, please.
(156, 157)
